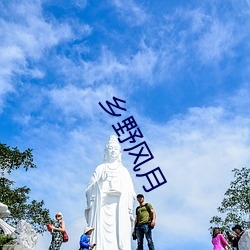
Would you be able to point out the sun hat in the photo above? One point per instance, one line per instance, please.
(87, 229)
(59, 213)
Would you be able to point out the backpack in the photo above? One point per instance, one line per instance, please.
(150, 218)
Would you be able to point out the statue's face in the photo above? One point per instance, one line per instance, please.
(113, 150)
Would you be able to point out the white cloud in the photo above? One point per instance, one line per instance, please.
(10, 58)
(81, 102)
(105, 69)
(131, 12)
(121, 71)
(31, 33)
(201, 34)
(25, 35)
(198, 19)
(80, 3)
(239, 102)
(217, 42)
(143, 63)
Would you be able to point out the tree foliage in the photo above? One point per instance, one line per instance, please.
(17, 199)
(235, 206)
(11, 159)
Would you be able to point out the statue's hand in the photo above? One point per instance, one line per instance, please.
(90, 202)
(104, 175)
(132, 217)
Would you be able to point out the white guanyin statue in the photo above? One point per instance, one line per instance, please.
(110, 197)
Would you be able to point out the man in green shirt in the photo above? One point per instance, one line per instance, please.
(144, 223)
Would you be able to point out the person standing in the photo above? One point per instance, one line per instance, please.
(56, 231)
(218, 240)
(143, 225)
(239, 231)
(85, 239)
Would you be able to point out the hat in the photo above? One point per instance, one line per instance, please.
(87, 229)
(237, 227)
(59, 213)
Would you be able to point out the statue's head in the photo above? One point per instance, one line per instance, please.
(112, 150)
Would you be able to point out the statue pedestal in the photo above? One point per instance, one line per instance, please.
(13, 247)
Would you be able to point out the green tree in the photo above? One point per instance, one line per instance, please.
(235, 206)
(17, 199)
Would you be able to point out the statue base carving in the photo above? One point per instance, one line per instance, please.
(25, 237)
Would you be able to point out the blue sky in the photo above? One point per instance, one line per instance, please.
(181, 66)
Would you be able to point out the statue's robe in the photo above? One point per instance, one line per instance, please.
(244, 242)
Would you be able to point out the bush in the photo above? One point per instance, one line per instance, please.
(6, 240)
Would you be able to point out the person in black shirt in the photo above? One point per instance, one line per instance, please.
(236, 237)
